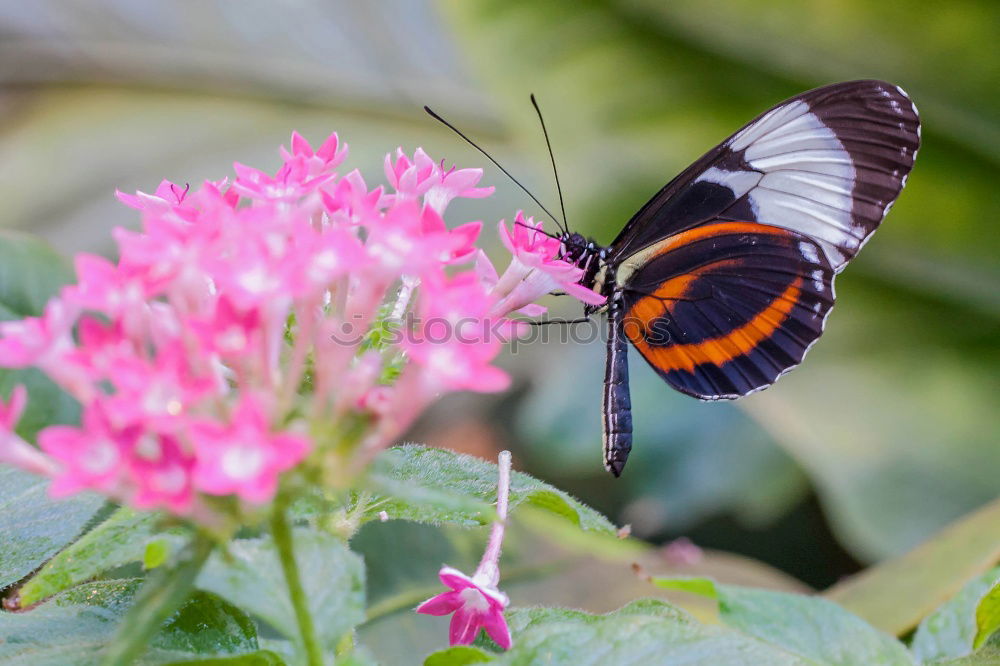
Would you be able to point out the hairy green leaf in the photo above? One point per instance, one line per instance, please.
(436, 486)
(644, 632)
(76, 627)
(163, 592)
(811, 627)
(249, 575)
(120, 539)
(34, 527)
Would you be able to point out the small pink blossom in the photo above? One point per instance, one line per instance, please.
(14, 450)
(90, 456)
(168, 195)
(161, 470)
(422, 177)
(291, 182)
(37, 340)
(476, 605)
(244, 457)
(536, 268)
(317, 162)
(475, 600)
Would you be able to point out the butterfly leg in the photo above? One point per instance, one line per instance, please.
(617, 407)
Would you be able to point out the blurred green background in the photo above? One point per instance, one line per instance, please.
(889, 430)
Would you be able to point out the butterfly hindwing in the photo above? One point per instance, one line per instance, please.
(723, 309)
(826, 164)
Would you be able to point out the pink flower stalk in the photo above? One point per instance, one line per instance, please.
(244, 312)
(475, 601)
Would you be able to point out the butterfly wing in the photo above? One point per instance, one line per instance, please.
(826, 164)
(726, 275)
(725, 308)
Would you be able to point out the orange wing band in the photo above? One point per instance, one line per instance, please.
(718, 351)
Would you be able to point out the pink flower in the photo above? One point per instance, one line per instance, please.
(37, 340)
(350, 203)
(14, 450)
(168, 195)
(244, 457)
(242, 312)
(457, 342)
(476, 605)
(317, 162)
(90, 457)
(475, 601)
(455, 183)
(292, 182)
(536, 268)
(161, 471)
(422, 177)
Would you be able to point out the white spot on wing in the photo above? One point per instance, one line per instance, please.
(740, 182)
(817, 276)
(809, 252)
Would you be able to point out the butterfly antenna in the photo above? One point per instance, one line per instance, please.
(552, 158)
(490, 158)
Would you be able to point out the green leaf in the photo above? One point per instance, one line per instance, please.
(894, 595)
(436, 486)
(163, 592)
(249, 575)
(76, 627)
(949, 631)
(31, 272)
(258, 658)
(119, 540)
(34, 527)
(460, 655)
(156, 553)
(704, 587)
(645, 632)
(812, 627)
(987, 616)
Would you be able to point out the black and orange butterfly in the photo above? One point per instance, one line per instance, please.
(724, 279)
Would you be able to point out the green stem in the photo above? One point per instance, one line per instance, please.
(166, 588)
(282, 534)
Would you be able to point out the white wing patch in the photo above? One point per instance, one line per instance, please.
(740, 182)
(806, 178)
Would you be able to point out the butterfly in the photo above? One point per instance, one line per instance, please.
(724, 279)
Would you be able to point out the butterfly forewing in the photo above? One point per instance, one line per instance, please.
(826, 164)
(726, 275)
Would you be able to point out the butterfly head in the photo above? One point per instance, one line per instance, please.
(587, 255)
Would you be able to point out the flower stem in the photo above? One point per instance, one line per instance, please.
(489, 566)
(282, 534)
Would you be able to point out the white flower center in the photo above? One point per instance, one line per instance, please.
(473, 599)
(100, 458)
(171, 480)
(148, 447)
(242, 462)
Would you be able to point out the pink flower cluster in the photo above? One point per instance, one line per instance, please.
(243, 313)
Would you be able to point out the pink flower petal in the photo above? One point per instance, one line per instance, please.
(464, 627)
(442, 604)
